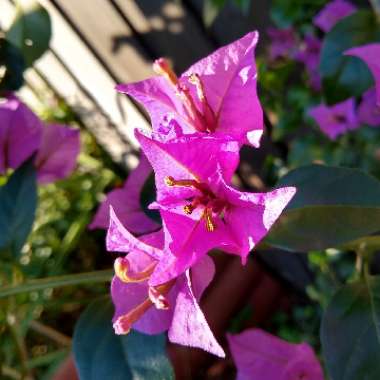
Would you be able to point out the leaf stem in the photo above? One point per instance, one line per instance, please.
(50, 333)
(20, 345)
(57, 281)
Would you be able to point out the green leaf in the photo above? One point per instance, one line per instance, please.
(30, 31)
(332, 206)
(12, 61)
(350, 332)
(18, 200)
(100, 354)
(147, 196)
(344, 76)
(211, 9)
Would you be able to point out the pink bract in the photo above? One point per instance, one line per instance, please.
(368, 110)
(283, 43)
(332, 13)
(337, 119)
(126, 201)
(370, 55)
(20, 133)
(262, 356)
(224, 75)
(309, 55)
(200, 211)
(182, 317)
(57, 154)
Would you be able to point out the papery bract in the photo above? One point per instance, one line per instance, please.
(332, 12)
(337, 119)
(368, 110)
(262, 356)
(309, 55)
(20, 133)
(172, 306)
(283, 43)
(208, 97)
(57, 154)
(200, 211)
(127, 203)
(370, 55)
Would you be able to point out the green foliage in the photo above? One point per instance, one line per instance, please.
(30, 32)
(345, 76)
(350, 331)
(13, 64)
(286, 13)
(100, 354)
(332, 206)
(18, 201)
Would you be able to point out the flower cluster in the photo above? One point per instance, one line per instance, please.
(339, 118)
(200, 120)
(22, 135)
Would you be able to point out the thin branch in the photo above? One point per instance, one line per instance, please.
(50, 333)
(57, 281)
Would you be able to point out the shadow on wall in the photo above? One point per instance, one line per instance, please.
(174, 29)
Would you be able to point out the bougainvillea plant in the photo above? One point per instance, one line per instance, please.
(189, 207)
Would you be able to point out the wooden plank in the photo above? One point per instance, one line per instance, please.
(93, 77)
(61, 81)
(168, 29)
(101, 26)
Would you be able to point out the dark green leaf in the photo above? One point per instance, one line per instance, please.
(18, 200)
(30, 32)
(100, 354)
(12, 61)
(345, 76)
(332, 206)
(147, 196)
(350, 332)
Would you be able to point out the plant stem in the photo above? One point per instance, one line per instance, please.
(21, 347)
(50, 333)
(57, 281)
(10, 372)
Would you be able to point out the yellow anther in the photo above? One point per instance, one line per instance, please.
(210, 225)
(169, 181)
(188, 209)
(196, 81)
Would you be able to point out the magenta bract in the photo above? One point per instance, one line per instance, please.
(126, 201)
(20, 133)
(368, 110)
(337, 119)
(200, 211)
(172, 306)
(333, 12)
(259, 355)
(208, 97)
(57, 154)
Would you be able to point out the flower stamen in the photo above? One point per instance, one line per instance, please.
(210, 225)
(162, 67)
(207, 111)
(124, 273)
(170, 181)
(124, 323)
